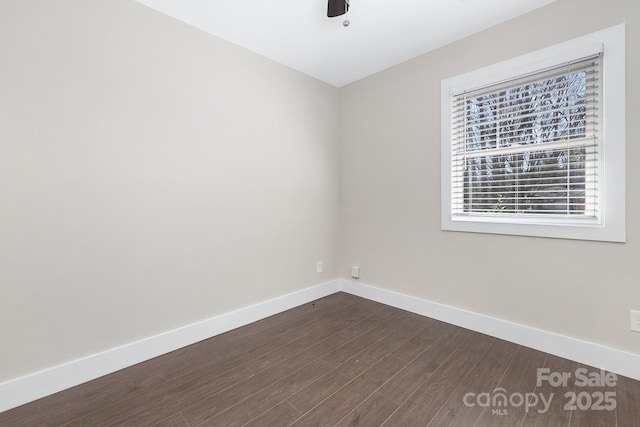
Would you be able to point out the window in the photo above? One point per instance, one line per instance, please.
(528, 148)
(535, 146)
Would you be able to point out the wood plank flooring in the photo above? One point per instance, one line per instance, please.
(341, 361)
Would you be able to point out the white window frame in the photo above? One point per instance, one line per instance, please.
(610, 226)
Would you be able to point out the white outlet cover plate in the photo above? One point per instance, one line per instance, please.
(635, 320)
(355, 272)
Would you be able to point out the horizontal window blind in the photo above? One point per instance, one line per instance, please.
(529, 146)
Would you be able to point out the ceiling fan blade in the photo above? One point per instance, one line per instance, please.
(337, 8)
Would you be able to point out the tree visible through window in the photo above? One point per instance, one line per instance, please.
(535, 145)
(529, 147)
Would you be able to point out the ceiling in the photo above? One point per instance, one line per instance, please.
(297, 33)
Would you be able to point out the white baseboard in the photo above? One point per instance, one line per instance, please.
(39, 384)
(588, 353)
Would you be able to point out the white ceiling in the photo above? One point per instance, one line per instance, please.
(297, 33)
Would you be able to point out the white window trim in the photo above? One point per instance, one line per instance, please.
(611, 226)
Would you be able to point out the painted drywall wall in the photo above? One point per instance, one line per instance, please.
(151, 176)
(390, 194)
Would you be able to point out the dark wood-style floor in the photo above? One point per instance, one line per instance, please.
(340, 361)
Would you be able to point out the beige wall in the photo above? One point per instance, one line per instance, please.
(150, 176)
(390, 192)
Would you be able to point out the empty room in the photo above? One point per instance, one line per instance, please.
(319, 213)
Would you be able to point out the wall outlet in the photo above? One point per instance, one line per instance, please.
(635, 320)
(319, 266)
(355, 272)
